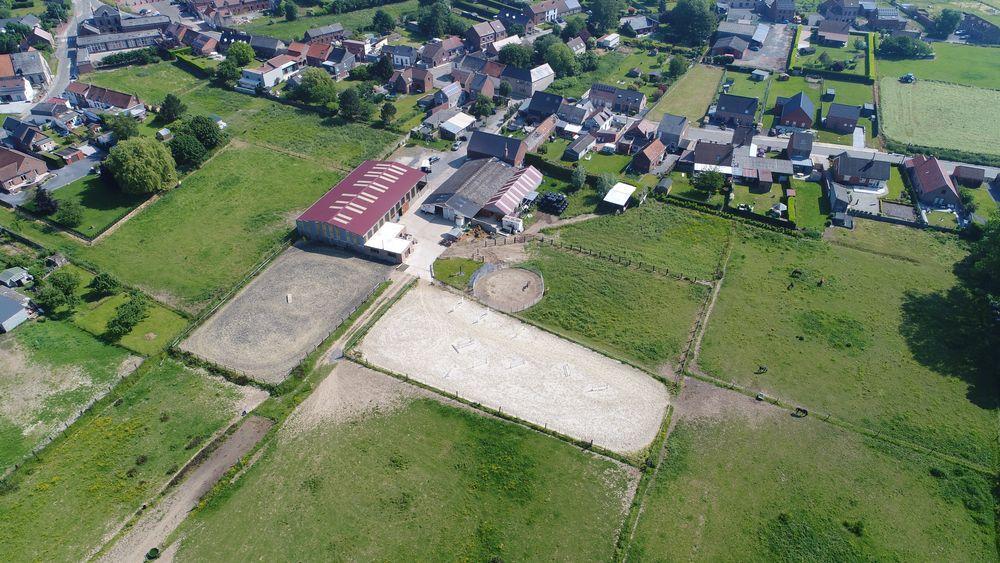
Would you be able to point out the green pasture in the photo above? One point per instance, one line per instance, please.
(690, 96)
(102, 203)
(960, 64)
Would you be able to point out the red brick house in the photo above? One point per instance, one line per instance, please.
(933, 186)
(645, 160)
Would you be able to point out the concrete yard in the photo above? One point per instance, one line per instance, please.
(456, 345)
(286, 312)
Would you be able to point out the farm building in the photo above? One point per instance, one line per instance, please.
(456, 125)
(580, 147)
(12, 314)
(486, 145)
(933, 186)
(619, 195)
(358, 212)
(485, 189)
(15, 277)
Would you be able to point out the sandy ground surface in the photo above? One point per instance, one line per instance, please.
(286, 312)
(703, 401)
(154, 526)
(26, 386)
(503, 254)
(509, 289)
(350, 392)
(459, 346)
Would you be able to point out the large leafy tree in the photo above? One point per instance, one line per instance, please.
(946, 23)
(187, 150)
(172, 108)
(354, 106)
(205, 130)
(562, 60)
(141, 165)
(241, 53)
(904, 47)
(387, 113)
(105, 284)
(382, 69)
(574, 26)
(123, 126)
(482, 106)
(228, 72)
(515, 55)
(692, 21)
(383, 23)
(315, 87)
(605, 14)
(541, 47)
(70, 213)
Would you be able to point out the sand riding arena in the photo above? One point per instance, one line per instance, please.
(509, 289)
(454, 344)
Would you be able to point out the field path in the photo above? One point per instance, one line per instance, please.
(154, 527)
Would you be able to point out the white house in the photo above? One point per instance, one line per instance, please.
(609, 41)
(269, 75)
(15, 89)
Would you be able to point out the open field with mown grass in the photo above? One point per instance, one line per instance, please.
(960, 64)
(690, 96)
(847, 54)
(682, 187)
(744, 477)
(683, 241)
(638, 316)
(934, 114)
(356, 20)
(199, 239)
(51, 370)
(611, 70)
(881, 338)
(103, 468)
(812, 207)
(153, 334)
(400, 476)
(456, 272)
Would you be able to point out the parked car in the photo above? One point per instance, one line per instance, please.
(433, 159)
(456, 145)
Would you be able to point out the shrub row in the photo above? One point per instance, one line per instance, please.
(942, 153)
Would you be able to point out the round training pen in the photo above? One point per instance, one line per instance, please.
(509, 289)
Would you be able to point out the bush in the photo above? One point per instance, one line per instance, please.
(127, 316)
(187, 150)
(104, 285)
(791, 209)
(141, 165)
(70, 213)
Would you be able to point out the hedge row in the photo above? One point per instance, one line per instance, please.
(942, 153)
(870, 57)
(791, 208)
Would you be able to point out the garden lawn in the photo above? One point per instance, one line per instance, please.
(985, 204)
(611, 70)
(960, 64)
(420, 481)
(356, 20)
(690, 96)
(759, 201)
(150, 336)
(682, 188)
(201, 238)
(102, 203)
(933, 114)
(944, 219)
(846, 53)
(812, 208)
(895, 184)
(880, 339)
(774, 488)
(51, 370)
(60, 506)
(629, 314)
(667, 237)
(584, 200)
(455, 272)
(743, 86)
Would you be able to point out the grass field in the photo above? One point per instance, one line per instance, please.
(634, 315)
(683, 241)
(352, 21)
(151, 83)
(150, 336)
(166, 249)
(58, 507)
(51, 370)
(611, 70)
(877, 338)
(102, 202)
(773, 488)
(895, 184)
(812, 208)
(934, 114)
(682, 187)
(584, 200)
(455, 272)
(985, 204)
(960, 64)
(690, 96)
(420, 481)
(594, 162)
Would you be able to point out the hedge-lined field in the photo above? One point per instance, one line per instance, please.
(936, 114)
(881, 338)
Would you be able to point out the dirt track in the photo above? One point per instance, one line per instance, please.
(509, 289)
(459, 346)
(154, 526)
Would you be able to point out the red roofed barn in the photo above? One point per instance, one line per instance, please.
(358, 212)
